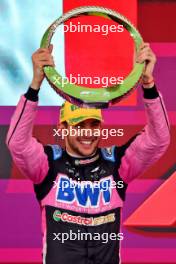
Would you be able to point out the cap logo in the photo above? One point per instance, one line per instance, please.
(74, 107)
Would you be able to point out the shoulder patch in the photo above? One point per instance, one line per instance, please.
(57, 151)
(109, 153)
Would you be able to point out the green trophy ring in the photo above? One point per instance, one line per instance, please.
(84, 96)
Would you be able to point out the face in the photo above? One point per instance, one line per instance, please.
(85, 143)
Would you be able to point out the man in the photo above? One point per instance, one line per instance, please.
(81, 189)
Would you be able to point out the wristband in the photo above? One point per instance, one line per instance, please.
(147, 83)
(32, 94)
(151, 93)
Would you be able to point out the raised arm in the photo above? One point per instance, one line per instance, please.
(151, 143)
(27, 153)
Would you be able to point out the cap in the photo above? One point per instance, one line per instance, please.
(73, 114)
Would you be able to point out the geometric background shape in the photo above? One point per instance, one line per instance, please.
(158, 210)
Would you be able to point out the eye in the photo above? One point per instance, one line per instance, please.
(95, 124)
(78, 127)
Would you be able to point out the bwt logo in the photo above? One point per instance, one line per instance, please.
(84, 193)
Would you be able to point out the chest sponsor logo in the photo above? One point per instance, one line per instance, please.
(86, 221)
(85, 193)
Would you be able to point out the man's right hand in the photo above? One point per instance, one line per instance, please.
(41, 58)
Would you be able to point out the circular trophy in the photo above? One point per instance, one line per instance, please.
(93, 97)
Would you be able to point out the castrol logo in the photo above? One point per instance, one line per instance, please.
(86, 221)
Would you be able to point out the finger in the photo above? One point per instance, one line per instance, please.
(45, 56)
(144, 45)
(40, 50)
(145, 48)
(144, 51)
(50, 48)
(146, 57)
(46, 63)
(143, 58)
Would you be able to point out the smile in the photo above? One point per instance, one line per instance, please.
(86, 142)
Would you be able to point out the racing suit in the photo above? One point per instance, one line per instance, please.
(81, 198)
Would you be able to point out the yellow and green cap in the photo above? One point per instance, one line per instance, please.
(73, 114)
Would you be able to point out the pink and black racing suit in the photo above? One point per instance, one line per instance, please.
(81, 199)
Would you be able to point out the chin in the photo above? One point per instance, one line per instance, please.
(87, 150)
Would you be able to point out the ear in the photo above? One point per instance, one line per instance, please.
(62, 125)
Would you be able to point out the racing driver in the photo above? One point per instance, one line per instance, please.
(81, 187)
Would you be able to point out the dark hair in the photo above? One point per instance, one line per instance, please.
(65, 124)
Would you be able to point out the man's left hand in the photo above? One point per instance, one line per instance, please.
(146, 55)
